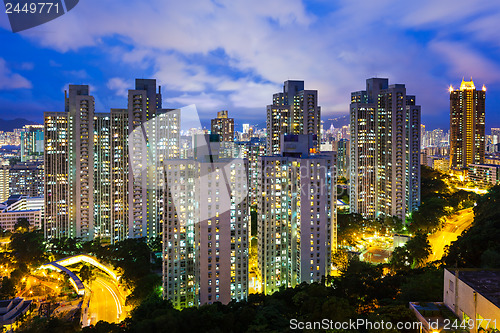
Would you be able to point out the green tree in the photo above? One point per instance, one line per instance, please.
(156, 244)
(432, 183)
(422, 285)
(8, 288)
(419, 249)
(411, 255)
(349, 228)
(361, 284)
(478, 246)
(22, 225)
(86, 274)
(28, 248)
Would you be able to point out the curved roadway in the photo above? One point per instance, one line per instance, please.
(449, 233)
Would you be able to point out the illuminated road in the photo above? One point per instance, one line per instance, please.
(106, 303)
(475, 190)
(450, 232)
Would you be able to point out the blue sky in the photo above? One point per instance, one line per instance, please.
(231, 54)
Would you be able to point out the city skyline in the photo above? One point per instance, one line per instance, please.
(235, 166)
(211, 66)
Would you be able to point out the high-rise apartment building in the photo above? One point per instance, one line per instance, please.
(467, 117)
(343, 151)
(4, 182)
(296, 214)
(495, 136)
(294, 111)
(68, 167)
(56, 164)
(101, 147)
(385, 148)
(205, 237)
(26, 178)
(31, 142)
(91, 190)
(256, 147)
(223, 126)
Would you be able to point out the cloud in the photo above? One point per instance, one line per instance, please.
(9, 80)
(249, 94)
(119, 86)
(53, 63)
(236, 54)
(204, 102)
(464, 60)
(77, 74)
(177, 74)
(27, 66)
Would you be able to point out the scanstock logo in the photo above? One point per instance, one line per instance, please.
(154, 152)
(26, 14)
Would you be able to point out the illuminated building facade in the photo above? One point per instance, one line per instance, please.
(294, 111)
(4, 182)
(467, 127)
(31, 142)
(296, 214)
(21, 207)
(90, 191)
(384, 150)
(26, 178)
(102, 175)
(223, 126)
(484, 175)
(256, 148)
(343, 151)
(206, 230)
(56, 164)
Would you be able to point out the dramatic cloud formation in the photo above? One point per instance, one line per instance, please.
(9, 80)
(236, 54)
(120, 86)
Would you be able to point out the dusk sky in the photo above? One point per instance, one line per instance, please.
(235, 54)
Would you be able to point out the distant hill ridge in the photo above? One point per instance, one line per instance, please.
(337, 121)
(10, 125)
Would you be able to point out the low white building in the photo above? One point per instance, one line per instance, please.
(484, 175)
(474, 294)
(471, 303)
(18, 207)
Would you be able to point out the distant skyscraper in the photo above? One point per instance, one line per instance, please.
(223, 126)
(495, 139)
(4, 182)
(422, 136)
(343, 151)
(296, 214)
(90, 190)
(246, 128)
(31, 142)
(385, 146)
(294, 111)
(467, 128)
